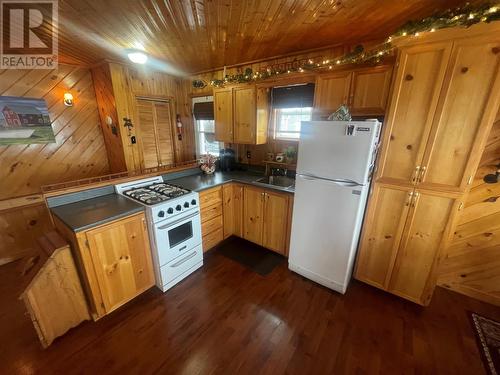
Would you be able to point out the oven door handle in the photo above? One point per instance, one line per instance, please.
(179, 221)
(185, 259)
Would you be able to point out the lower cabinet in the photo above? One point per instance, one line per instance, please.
(233, 209)
(404, 232)
(212, 222)
(114, 260)
(266, 217)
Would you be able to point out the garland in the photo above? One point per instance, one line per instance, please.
(465, 16)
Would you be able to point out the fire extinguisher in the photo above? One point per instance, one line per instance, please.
(179, 127)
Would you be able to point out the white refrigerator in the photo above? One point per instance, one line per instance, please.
(334, 167)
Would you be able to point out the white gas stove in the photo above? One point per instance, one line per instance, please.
(174, 227)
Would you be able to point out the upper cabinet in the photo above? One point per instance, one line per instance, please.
(364, 91)
(241, 114)
(434, 132)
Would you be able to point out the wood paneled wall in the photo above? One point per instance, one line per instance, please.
(79, 150)
(472, 263)
(117, 88)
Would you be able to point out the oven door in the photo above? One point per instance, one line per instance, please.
(178, 237)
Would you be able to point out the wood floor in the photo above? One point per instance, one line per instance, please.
(226, 319)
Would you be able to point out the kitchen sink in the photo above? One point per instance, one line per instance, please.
(281, 181)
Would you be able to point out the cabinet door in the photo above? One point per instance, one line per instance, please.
(253, 211)
(424, 233)
(275, 222)
(244, 115)
(223, 114)
(147, 133)
(122, 260)
(382, 233)
(233, 210)
(466, 110)
(331, 91)
(164, 127)
(417, 85)
(370, 90)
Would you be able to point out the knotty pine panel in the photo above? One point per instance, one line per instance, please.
(79, 150)
(19, 229)
(472, 262)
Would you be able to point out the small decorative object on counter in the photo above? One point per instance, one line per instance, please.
(341, 114)
(207, 163)
(270, 156)
(290, 153)
(280, 157)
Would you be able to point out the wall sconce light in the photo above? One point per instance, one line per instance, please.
(68, 99)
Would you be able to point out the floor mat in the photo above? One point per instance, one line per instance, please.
(488, 337)
(250, 255)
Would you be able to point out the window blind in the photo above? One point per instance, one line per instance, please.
(298, 96)
(203, 111)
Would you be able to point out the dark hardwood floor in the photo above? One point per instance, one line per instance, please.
(226, 319)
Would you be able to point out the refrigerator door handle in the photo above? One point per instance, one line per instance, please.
(340, 182)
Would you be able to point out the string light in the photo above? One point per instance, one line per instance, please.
(465, 17)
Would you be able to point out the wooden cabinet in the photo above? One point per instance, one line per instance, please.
(114, 260)
(370, 90)
(364, 91)
(445, 99)
(223, 114)
(275, 229)
(241, 114)
(265, 218)
(405, 229)
(211, 212)
(253, 214)
(233, 209)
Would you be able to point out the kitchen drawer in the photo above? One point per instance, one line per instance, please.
(212, 239)
(210, 225)
(210, 212)
(211, 196)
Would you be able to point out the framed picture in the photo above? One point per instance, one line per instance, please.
(24, 121)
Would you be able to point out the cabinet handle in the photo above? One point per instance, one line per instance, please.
(422, 174)
(415, 173)
(410, 196)
(415, 197)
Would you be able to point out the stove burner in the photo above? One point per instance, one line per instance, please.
(155, 193)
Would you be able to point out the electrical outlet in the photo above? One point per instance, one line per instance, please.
(133, 140)
(249, 154)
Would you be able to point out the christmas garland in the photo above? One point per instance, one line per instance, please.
(465, 16)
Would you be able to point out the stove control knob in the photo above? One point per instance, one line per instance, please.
(186, 204)
(170, 210)
(161, 214)
(193, 202)
(178, 207)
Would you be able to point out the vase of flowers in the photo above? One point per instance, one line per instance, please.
(207, 163)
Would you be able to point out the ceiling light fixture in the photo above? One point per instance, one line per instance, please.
(137, 57)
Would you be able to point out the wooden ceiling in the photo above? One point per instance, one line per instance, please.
(199, 35)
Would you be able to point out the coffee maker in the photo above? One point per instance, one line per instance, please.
(227, 160)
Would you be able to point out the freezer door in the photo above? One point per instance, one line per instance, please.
(326, 222)
(337, 149)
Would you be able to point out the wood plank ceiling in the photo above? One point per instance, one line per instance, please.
(199, 35)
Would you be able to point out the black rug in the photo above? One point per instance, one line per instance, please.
(488, 338)
(250, 255)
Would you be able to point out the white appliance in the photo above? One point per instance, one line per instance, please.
(174, 225)
(334, 167)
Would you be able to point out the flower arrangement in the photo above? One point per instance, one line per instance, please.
(207, 163)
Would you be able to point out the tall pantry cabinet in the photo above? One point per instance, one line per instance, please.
(445, 96)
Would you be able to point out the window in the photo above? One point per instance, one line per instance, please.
(205, 127)
(291, 105)
(287, 121)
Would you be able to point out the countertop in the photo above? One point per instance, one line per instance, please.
(93, 212)
(200, 182)
(91, 208)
